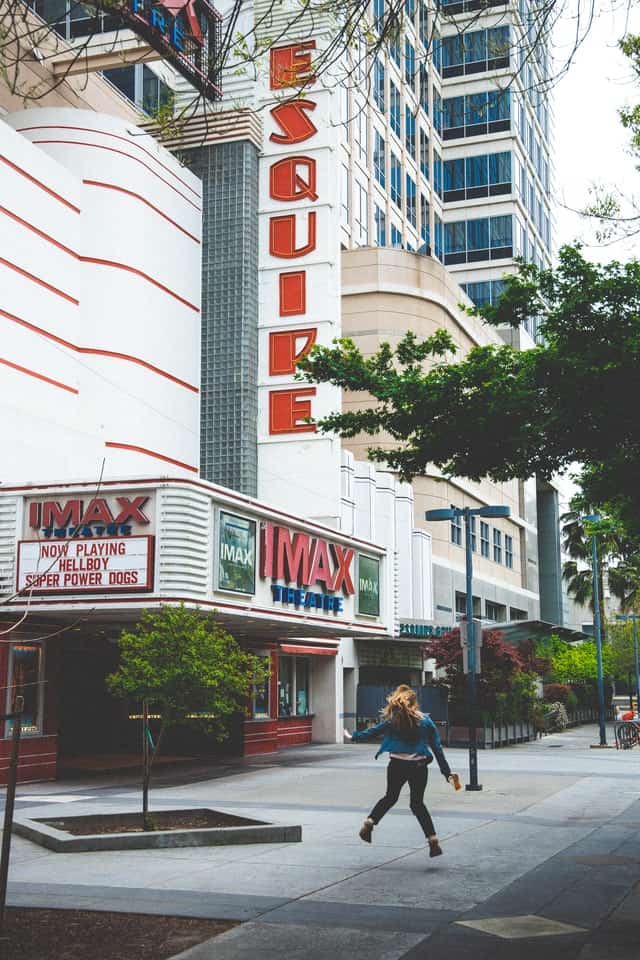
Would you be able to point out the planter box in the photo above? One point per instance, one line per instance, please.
(494, 735)
(62, 842)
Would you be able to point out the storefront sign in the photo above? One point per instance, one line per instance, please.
(185, 32)
(99, 516)
(237, 554)
(319, 568)
(368, 586)
(86, 566)
(423, 630)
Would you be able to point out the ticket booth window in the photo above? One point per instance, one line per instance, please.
(294, 692)
(26, 679)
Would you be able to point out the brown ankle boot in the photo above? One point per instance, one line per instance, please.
(366, 830)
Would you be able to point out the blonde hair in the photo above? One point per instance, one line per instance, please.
(402, 708)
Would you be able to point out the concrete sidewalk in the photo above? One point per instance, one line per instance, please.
(546, 858)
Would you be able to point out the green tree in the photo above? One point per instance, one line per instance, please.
(185, 668)
(505, 686)
(504, 413)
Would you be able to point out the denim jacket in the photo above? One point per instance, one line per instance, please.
(394, 742)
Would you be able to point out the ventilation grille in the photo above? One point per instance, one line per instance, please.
(184, 535)
(8, 519)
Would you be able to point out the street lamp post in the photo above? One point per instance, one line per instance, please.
(467, 513)
(634, 617)
(593, 518)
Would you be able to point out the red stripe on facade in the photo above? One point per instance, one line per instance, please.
(145, 276)
(39, 233)
(90, 351)
(38, 183)
(123, 153)
(136, 196)
(38, 376)
(97, 260)
(42, 283)
(115, 136)
(151, 453)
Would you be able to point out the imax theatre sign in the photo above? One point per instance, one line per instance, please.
(86, 545)
(306, 572)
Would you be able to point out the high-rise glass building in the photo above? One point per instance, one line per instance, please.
(447, 142)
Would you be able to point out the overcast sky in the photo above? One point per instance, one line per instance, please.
(590, 143)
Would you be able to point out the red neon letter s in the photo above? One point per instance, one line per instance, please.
(293, 121)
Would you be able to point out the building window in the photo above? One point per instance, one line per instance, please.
(344, 194)
(508, 551)
(141, 85)
(476, 114)
(294, 694)
(474, 536)
(362, 215)
(381, 227)
(71, 19)
(26, 679)
(480, 176)
(396, 181)
(260, 702)
(484, 539)
(424, 154)
(362, 134)
(394, 108)
(495, 611)
(396, 236)
(475, 52)
(515, 614)
(423, 88)
(484, 292)
(497, 546)
(411, 201)
(410, 131)
(487, 238)
(437, 240)
(409, 63)
(424, 220)
(437, 111)
(437, 173)
(379, 163)
(456, 529)
(378, 84)
(461, 605)
(378, 14)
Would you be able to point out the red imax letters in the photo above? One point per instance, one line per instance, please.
(50, 513)
(304, 560)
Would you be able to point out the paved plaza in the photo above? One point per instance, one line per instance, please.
(544, 862)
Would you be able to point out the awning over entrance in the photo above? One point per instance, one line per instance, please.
(322, 651)
(516, 631)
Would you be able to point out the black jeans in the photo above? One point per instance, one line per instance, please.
(415, 773)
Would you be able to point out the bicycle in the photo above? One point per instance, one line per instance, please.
(627, 734)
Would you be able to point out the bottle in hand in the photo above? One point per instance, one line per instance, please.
(455, 780)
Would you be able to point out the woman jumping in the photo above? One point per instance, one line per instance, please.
(409, 738)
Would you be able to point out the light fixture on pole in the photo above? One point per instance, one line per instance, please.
(468, 513)
(593, 518)
(634, 617)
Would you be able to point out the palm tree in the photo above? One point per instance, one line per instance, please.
(616, 553)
